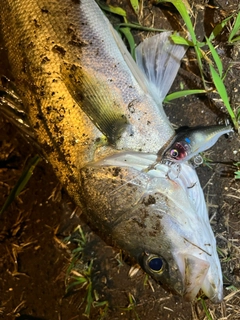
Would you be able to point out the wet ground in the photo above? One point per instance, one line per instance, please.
(34, 259)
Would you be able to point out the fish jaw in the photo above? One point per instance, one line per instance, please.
(160, 213)
(197, 275)
(193, 271)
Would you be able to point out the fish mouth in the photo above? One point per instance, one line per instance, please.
(194, 274)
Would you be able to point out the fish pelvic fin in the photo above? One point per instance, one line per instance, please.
(159, 59)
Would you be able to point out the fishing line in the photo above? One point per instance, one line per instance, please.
(197, 247)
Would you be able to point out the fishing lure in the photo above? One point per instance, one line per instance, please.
(191, 141)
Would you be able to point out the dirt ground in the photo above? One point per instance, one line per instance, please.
(34, 260)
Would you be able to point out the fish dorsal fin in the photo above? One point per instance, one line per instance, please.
(159, 59)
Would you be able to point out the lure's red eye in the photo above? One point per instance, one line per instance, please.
(174, 153)
(179, 151)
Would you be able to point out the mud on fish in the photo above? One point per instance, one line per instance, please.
(97, 116)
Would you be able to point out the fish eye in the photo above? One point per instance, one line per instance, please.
(155, 263)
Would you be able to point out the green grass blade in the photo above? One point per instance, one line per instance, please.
(138, 27)
(218, 82)
(89, 301)
(237, 38)
(126, 31)
(182, 41)
(235, 29)
(181, 6)
(218, 28)
(209, 317)
(238, 114)
(116, 10)
(21, 183)
(131, 42)
(237, 173)
(216, 58)
(183, 93)
(79, 281)
(135, 6)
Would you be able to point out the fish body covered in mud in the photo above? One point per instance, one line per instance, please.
(99, 120)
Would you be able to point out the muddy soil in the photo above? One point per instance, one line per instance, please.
(34, 258)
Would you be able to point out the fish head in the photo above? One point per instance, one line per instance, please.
(160, 245)
(159, 218)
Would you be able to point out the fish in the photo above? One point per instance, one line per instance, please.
(98, 118)
(191, 141)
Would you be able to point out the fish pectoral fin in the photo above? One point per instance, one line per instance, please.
(195, 273)
(159, 59)
(95, 98)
